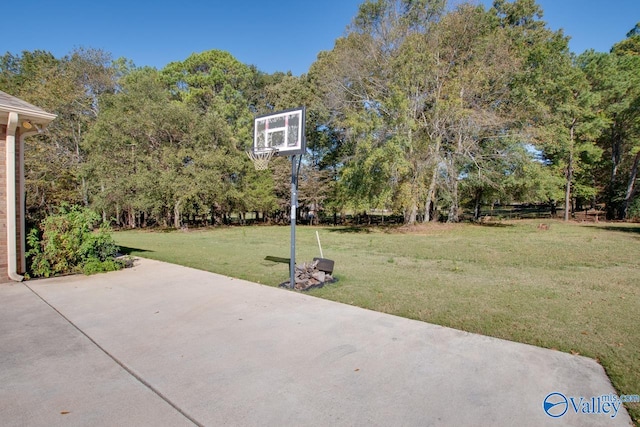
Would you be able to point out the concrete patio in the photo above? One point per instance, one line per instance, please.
(160, 344)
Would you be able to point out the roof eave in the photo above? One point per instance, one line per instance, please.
(37, 117)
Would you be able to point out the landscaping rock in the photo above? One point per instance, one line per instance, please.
(308, 276)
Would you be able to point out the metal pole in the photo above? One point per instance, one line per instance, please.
(294, 205)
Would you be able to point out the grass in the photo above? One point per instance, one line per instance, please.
(574, 287)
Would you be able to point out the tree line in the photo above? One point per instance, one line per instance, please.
(422, 109)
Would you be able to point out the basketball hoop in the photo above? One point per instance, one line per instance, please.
(282, 133)
(261, 159)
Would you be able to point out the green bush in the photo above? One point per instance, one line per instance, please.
(634, 210)
(93, 266)
(67, 243)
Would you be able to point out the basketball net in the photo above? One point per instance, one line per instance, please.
(261, 159)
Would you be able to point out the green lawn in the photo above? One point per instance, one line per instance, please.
(574, 287)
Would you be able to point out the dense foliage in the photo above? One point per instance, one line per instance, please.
(67, 242)
(422, 108)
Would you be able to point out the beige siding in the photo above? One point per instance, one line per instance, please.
(4, 271)
(20, 210)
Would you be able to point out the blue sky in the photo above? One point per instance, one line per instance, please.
(283, 35)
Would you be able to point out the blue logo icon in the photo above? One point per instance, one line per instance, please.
(555, 405)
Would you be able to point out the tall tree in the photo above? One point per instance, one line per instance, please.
(358, 78)
(553, 98)
(416, 91)
(571, 128)
(214, 82)
(68, 87)
(154, 171)
(615, 78)
(629, 46)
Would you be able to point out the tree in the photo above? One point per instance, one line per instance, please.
(416, 91)
(181, 156)
(70, 88)
(615, 78)
(554, 100)
(629, 46)
(357, 82)
(571, 128)
(153, 149)
(214, 82)
(226, 93)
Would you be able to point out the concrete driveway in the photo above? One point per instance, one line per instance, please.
(164, 345)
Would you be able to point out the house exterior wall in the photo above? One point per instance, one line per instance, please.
(27, 119)
(20, 239)
(4, 270)
(20, 206)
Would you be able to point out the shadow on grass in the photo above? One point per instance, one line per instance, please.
(277, 259)
(492, 224)
(124, 250)
(634, 229)
(350, 229)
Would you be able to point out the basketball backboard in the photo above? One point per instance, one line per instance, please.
(282, 131)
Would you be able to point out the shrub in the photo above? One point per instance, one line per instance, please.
(67, 243)
(93, 266)
(634, 210)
